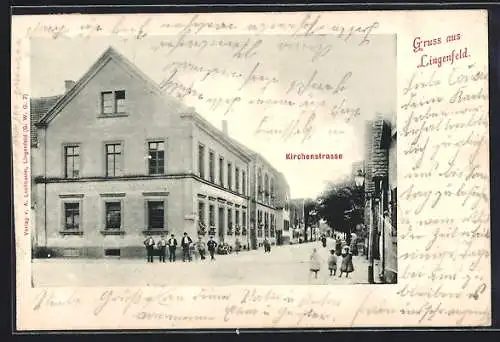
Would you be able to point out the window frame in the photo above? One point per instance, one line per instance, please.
(203, 219)
(243, 183)
(64, 158)
(211, 215)
(221, 171)
(237, 179)
(63, 229)
(243, 222)
(114, 102)
(201, 160)
(120, 156)
(229, 175)
(156, 140)
(146, 214)
(229, 219)
(106, 201)
(211, 166)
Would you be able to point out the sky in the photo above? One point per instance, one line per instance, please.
(316, 77)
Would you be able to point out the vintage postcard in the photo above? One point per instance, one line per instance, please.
(241, 170)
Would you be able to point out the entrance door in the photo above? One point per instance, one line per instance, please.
(221, 224)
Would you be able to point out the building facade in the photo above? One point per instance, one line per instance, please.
(381, 196)
(114, 160)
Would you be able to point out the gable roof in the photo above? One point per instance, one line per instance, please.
(109, 54)
(38, 108)
(48, 108)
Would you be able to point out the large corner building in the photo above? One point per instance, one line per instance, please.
(115, 159)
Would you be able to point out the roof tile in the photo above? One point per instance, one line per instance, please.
(38, 108)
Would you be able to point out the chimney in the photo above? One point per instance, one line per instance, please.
(68, 84)
(224, 127)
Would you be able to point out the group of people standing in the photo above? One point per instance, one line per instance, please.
(187, 245)
(342, 250)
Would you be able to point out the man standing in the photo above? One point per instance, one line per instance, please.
(149, 243)
(186, 244)
(212, 245)
(162, 246)
(172, 245)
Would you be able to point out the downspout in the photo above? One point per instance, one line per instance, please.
(45, 184)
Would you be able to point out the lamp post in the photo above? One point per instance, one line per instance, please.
(359, 179)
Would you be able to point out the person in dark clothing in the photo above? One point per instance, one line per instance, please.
(162, 248)
(323, 240)
(172, 246)
(150, 244)
(338, 246)
(267, 246)
(186, 244)
(212, 245)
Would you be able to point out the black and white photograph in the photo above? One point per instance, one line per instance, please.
(204, 160)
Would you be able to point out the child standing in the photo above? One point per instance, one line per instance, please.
(346, 266)
(332, 263)
(315, 263)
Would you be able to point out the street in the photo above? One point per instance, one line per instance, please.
(285, 265)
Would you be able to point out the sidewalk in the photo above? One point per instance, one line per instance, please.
(285, 265)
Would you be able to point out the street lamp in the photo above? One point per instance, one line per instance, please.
(359, 179)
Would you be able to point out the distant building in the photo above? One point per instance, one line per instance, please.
(114, 159)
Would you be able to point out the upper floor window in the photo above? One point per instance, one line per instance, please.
(229, 176)
(201, 161)
(113, 102)
(266, 188)
(221, 171)
(71, 161)
(259, 184)
(156, 157)
(237, 179)
(211, 166)
(243, 183)
(113, 159)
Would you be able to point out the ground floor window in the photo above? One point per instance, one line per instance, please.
(229, 222)
(266, 224)
(272, 226)
(72, 216)
(244, 223)
(113, 215)
(156, 215)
